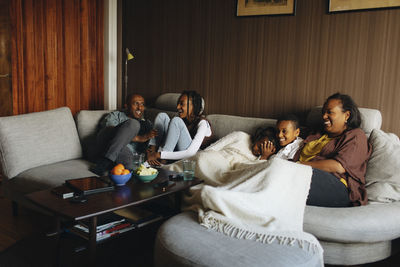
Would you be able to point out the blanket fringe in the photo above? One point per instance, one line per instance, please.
(231, 230)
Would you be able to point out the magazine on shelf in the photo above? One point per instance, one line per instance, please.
(104, 222)
(104, 234)
(139, 216)
(111, 232)
(117, 222)
(108, 224)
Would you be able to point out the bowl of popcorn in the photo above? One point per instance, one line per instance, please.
(145, 174)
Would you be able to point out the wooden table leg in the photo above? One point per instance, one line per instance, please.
(57, 230)
(92, 240)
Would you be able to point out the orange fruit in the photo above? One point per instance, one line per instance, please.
(119, 166)
(125, 171)
(117, 172)
(118, 169)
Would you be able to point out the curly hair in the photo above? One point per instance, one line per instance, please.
(348, 104)
(261, 133)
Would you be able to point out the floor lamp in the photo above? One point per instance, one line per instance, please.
(129, 56)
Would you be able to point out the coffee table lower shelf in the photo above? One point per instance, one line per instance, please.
(133, 194)
(123, 221)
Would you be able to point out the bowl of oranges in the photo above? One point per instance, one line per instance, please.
(119, 175)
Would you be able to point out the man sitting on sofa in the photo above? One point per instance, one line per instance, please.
(123, 133)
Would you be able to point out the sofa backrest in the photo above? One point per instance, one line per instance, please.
(35, 139)
(151, 113)
(164, 103)
(87, 122)
(371, 119)
(225, 124)
(167, 101)
(222, 125)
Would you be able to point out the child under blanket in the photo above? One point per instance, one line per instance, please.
(232, 153)
(265, 140)
(235, 187)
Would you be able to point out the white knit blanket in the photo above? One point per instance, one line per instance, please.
(250, 199)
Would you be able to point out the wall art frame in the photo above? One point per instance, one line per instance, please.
(357, 5)
(266, 7)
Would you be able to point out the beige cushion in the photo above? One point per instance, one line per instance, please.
(47, 176)
(371, 119)
(87, 123)
(362, 224)
(222, 125)
(35, 139)
(182, 241)
(383, 169)
(167, 102)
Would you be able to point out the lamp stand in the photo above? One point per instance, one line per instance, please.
(126, 79)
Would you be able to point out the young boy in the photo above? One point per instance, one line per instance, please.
(288, 130)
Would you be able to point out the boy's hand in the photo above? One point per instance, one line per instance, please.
(267, 149)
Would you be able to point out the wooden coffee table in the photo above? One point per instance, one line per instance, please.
(134, 193)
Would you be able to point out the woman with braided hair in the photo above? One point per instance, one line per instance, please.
(182, 136)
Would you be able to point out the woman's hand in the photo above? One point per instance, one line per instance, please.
(328, 165)
(267, 149)
(146, 137)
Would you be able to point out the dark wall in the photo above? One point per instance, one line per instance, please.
(264, 65)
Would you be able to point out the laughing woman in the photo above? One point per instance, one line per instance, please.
(182, 136)
(338, 156)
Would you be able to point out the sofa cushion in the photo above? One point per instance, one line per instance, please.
(383, 169)
(164, 103)
(369, 223)
(46, 176)
(35, 139)
(182, 241)
(371, 119)
(151, 113)
(87, 123)
(336, 253)
(222, 125)
(167, 101)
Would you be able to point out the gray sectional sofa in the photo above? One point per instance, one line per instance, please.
(40, 150)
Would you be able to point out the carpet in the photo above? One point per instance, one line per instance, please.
(132, 249)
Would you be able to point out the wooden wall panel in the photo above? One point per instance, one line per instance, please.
(57, 54)
(264, 65)
(5, 59)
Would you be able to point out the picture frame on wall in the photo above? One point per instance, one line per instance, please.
(266, 7)
(353, 5)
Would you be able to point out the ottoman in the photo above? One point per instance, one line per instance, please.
(182, 241)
